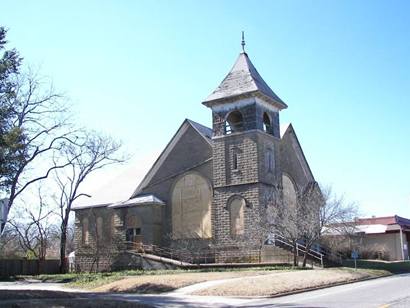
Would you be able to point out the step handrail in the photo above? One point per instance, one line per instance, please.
(299, 248)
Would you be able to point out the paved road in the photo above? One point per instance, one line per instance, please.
(392, 291)
(379, 293)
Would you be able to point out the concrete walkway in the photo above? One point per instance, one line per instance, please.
(207, 284)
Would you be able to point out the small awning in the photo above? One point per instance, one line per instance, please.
(139, 200)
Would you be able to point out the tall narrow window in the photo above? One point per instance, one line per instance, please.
(86, 232)
(267, 125)
(269, 160)
(100, 229)
(234, 122)
(234, 161)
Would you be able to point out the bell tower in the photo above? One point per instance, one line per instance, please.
(246, 170)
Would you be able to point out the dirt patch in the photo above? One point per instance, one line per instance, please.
(167, 283)
(285, 282)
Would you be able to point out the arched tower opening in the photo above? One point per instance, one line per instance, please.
(234, 122)
(267, 124)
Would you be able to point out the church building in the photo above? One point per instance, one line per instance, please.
(209, 189)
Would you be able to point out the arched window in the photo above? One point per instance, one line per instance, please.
(289, 192)
(234, 122)
(267, 125)
(86, 232)
(236, 207)
(191, 207)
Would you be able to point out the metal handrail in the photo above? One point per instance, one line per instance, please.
(319, 256)
(182, 255)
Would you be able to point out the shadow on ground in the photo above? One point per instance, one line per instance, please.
(146, 288)
(41, 298)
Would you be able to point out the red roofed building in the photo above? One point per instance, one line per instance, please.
(391, 233)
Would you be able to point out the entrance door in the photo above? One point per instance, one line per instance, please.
(134, 238)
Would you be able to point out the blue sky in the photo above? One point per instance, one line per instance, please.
(137, 69)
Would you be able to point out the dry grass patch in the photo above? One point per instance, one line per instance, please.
(169, 282)
(287, 282)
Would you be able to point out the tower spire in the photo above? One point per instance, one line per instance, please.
(243, 42)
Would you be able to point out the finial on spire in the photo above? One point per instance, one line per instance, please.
(243, 42)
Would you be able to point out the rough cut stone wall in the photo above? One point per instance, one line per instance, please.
(97, 250)
(267, 143)
(244, 145)
(249, 119)
(252, 182)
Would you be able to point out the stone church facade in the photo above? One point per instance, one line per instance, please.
(209, 189)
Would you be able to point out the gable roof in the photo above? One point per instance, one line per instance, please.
(203, 131)
(288, 130)
(283, 128)
(243, 79)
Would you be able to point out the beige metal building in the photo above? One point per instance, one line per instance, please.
(390, 235)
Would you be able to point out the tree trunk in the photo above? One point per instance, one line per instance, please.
(308, 246)
(295, 255)
(304, 259)
(63, 242)
(62, 247)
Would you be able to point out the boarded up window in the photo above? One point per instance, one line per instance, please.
(133, 230)
(132, 221)
(191, 207)
(270, 162)
(289, 192)
(100, 228)
(86, 232)
(236, 208)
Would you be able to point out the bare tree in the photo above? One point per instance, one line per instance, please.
(39, 114)
(337, 214)
(9, 244)
(283, 220)
(320, 210)
(338, 221)
(34, 228)
(315, 211)
(310, 204)
(92, 153)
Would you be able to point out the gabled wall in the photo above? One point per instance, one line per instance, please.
(293, 161)
(191, 153)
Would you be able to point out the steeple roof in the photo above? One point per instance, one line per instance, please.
(243, 80)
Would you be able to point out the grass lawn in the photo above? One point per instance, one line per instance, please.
(392, 267)
(262, 281)
(94, 280)
(286, 282)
